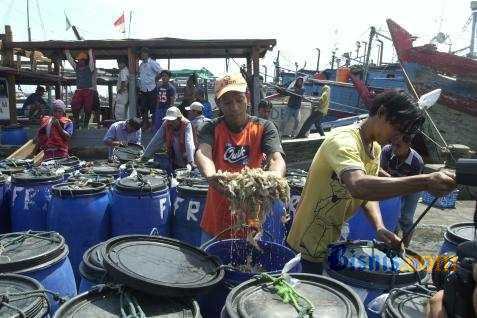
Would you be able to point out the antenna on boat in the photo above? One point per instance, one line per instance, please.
(28, 20)
(473, 7)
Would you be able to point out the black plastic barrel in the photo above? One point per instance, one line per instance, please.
(257, 298)
(91, 269)
(456, 234)
(110, 302)
(408, 302)
(23, 295)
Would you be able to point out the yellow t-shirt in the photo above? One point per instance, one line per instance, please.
(326, 203)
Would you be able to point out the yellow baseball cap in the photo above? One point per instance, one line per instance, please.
(230, 82)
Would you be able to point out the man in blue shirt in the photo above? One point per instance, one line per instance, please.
(166, 95)
(123, 132)
(293, 106)
(35, 106)
(148, 71)
(399, 160)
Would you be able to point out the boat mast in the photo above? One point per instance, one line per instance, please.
(372, 33)
(473, 7)
(28, 20)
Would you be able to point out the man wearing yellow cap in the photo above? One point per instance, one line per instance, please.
(230, 143)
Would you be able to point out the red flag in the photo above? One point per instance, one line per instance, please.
(120, 24)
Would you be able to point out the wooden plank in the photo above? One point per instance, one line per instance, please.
(24, 151)
(38, 158)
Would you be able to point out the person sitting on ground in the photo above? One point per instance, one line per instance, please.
(35, 106)
(293, 106)
(55, 132)
(344, 176)
(122, 133)
(166, 95)
(83, 98)
(318, 111)
(399, 160)
(196, 117)
(122, 94)
(175, 135)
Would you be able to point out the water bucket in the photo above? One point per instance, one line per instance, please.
(188, 208)
(79, 212)
(162, 159)
(139, 204)
(42, 256)
(408, 302)
(257, 298)
(29, 298)
(234, 253)
(369, 271)
(456, 234)
(360, 228)
(13, 135)
(91, 269)
(160, 266)
(106, 302)
(4, 209)
(30, 197)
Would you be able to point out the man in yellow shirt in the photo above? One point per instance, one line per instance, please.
(344, 176)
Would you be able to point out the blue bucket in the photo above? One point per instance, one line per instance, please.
(456, 234)
(188, 208)
(30, 197)
(163, 161)
(92, 269)
(4, 206)
(235, 252)
(369, 271)
(13, 135)
(80, 214)
(42, 256)
(360, 228)
(139, 205)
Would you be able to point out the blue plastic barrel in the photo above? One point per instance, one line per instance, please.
(4, 208)
(42, 256)
(79, 212)
(30, 197)
(369, 271)
(139, 204)
(162, 159)
(456, 234)
(274, 229)
(360, 228)
(235, 253)
(92, 269)
(13, 135)
(188, 208)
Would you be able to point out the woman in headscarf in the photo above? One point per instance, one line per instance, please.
(318, 110)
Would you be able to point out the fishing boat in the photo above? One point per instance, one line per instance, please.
(455, 114)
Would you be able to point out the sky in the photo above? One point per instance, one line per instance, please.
(298, 26)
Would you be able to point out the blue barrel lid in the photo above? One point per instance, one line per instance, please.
(31, 250)
(105, 302)
(128, 153)
(331, 298)
(28, 297)
(142, 184)
(160, 266)
(461, 232)
(410, 301)
(78, 188)
(366, 264)
(37, 175)
(91, 267)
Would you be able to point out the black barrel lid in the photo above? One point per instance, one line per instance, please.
(24, 251)
(364, 264)
(151, 171)
(69, 161)
(105, 302)
(128, 153)
(141, 183)
(105, 170)
(160, 266)
(78, 188)
(92, 265)
(296, 173)
(194, 187)
(408, 301)
(17, 162)
(36, 176)
(91, 177)
(331, 298)
(461, 232)
(33, 305)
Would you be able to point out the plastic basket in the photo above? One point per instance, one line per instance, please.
(445, 202)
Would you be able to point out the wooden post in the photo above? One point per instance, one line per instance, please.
(7, 59)
(56, 70)
(48, 87)
(132, 112)
(110, 99)
(255, 80)
(249, 66)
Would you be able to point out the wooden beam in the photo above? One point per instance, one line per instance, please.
(7, 57)
(24, 151)
(110, 96)
(56, 71)
(256, 83)
(132, 62)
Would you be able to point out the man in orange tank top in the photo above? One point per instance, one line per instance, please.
(230, 143)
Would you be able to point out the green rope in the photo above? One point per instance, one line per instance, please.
(289, 295)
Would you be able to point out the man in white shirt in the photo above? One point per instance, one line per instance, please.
(197, 118)
(122, 98)
(149, 70)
